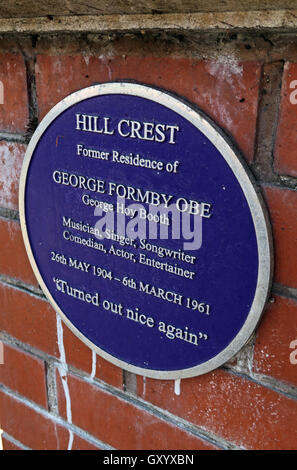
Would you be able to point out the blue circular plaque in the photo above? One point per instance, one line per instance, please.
(145, 230)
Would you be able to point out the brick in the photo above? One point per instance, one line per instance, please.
(8, 445)
(236, 409)
(286, 137)
(109, 373)
(226, 92)
(277, 330)
(282, 205)
(78, 443)
(31, 428)
(77, 353)
(119, 423)
(80, 356)
(14, 261)
(11, 159)
(14, 110)
(25, 374)
(29, 319)
(82, 444)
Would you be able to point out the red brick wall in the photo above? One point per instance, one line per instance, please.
(85, 402)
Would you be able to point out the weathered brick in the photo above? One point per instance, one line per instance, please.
(30, 427)
(109, 373)
(14, 110)
(11, 159)
(82, 444)
(119, 423)
(25, 374)
(78, 444)
(8, 445)
(14, 260)
(229, 406)
(277, 330)
(29, 319)
(282, 205)
(80, 356)
(34, 430)
(286, 139)
(77, 353)
(227, 92)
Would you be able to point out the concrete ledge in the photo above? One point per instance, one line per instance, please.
(273, 20)
(34, 9)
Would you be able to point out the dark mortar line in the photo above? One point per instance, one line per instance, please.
(15, 441)
(9, 214)
(55, 418)
(9, 340)
(284, 291)
(30, 61)
(13, 137)
(292, 395)
(275, 184)
(21, 286)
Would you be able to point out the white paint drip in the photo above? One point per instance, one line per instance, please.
(57, 436)
(144, 386)
(94, 358)
(60, 341)
(11, 162)
(177, 387)
(63, 369)
(105, 61)
(87, 59)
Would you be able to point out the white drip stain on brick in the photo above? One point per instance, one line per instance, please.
(94, 359)
(105, 61)
(10, 169)
(228, 73)
(86, 59)
(225, 68)
(1, 92)
(63, 369)
(177, 387)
